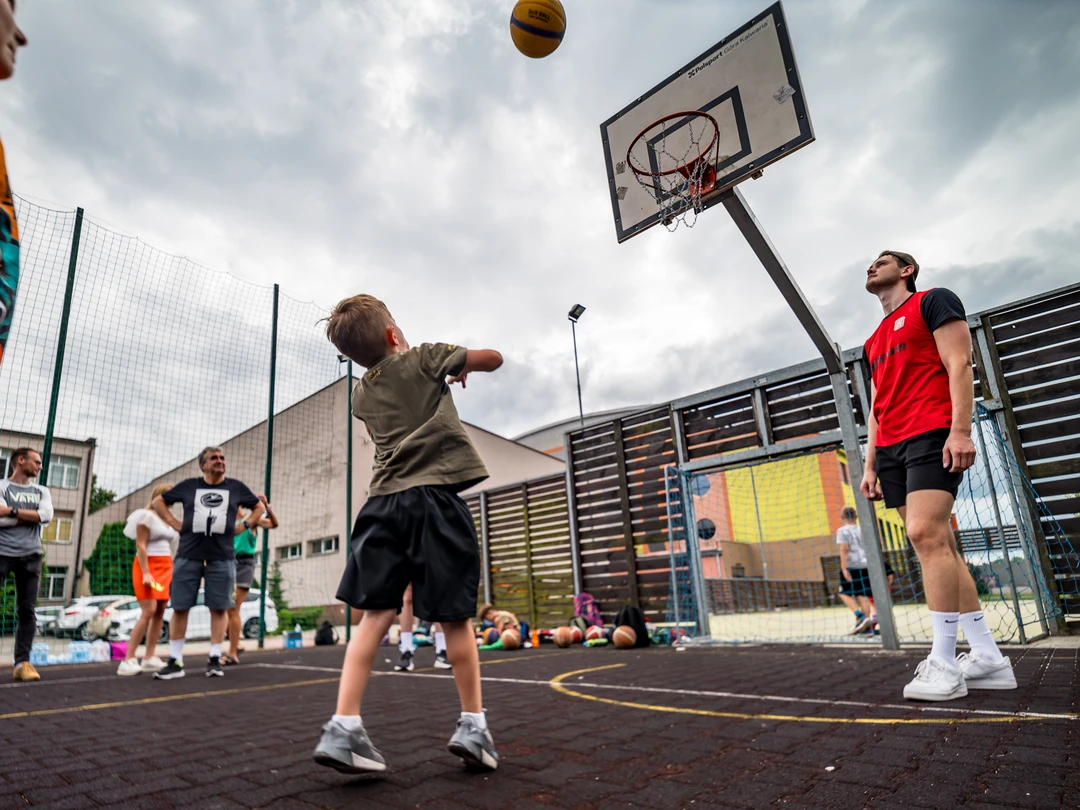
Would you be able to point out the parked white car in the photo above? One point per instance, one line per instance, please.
(123, 612)
(46, 616)
(75, 619)
(199, 618)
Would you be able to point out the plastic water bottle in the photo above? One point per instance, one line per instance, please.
(297, 628)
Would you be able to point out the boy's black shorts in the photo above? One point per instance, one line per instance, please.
(422, 535)
(915, 464)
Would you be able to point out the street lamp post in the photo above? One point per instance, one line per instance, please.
(575, 313)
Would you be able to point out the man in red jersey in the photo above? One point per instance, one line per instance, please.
(919, 447)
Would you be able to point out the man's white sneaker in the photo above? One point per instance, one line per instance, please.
(981, 674)
(129, 666)
(936, 680)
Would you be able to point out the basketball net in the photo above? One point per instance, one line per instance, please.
(674, 161)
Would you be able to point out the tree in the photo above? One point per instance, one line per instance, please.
(110, 563)
(275, 588)
(99, 496)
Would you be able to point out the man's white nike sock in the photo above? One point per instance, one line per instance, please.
(978, 635)
(945, 626)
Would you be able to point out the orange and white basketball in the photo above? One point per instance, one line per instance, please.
(576, 635)
(537, 26)
(563, 636)
(594, 632)
(624, 637)
(511, 639)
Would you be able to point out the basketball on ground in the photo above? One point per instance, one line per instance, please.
(537, 26)
(511, 639)
(594, 632)
(624, 637)
(491, 635)
(576, 636)
(563, 636)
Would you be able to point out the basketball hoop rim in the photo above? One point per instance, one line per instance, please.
(679, 167)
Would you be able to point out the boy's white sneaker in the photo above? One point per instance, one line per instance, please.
(981, 674)
(936, 680)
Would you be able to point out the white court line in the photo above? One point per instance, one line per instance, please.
(907, 707)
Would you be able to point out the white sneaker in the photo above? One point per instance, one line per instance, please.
(981, 674)
(129, 666)
(936, 680)
(152, 664)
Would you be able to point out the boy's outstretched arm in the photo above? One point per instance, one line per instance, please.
(477, 360)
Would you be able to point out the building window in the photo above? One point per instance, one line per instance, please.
(324, 545)
(5, 456)
(53, 581)
(293, 552)
(844, 473)
(64, 472)
(700, 485)
(59, 529)
(706, 529)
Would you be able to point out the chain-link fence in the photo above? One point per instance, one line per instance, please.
(123, 363)
(767, 539)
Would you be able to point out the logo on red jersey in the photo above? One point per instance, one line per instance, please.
(899, 323)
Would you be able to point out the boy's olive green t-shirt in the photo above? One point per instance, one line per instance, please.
(419, 440)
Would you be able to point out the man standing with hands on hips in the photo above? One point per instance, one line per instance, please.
(919, 446)
(205, 553)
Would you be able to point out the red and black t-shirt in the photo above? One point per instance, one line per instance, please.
(911, 385)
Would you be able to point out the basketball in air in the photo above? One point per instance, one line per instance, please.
(537, 26)
(576, 636)
(624, 637)
(511, 639)
(594, 633)
(563, 636)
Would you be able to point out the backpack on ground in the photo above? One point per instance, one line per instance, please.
(580, 624)
(326, 634)
(586, 608)
(632, 617)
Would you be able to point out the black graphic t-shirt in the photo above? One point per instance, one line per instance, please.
(209, 516)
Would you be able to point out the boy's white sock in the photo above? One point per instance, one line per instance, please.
(945, 626)
(348, 721)
(479, 719)
(980, 638)
(405, 645)
(215, 651)
(176, 649)
(440, 642)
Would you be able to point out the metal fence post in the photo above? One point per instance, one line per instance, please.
(269, 467)
(348, 489)
(485, 547)
(868, 527)
(61, 346)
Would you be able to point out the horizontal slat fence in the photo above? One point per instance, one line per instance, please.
(1035, 345)
(526, 528)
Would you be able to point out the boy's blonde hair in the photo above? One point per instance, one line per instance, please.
(160, 489)
(357, 327)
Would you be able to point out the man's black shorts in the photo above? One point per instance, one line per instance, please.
(859, 585)
(422, 535)
(915, 464)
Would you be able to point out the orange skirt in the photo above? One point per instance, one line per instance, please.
(161, 570)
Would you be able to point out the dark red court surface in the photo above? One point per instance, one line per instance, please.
(750, 727)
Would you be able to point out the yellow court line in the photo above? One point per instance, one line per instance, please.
(163, 699)
(557, 685)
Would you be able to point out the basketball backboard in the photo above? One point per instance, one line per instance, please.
(748, 83)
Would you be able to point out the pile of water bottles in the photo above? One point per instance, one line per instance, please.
(78, 652)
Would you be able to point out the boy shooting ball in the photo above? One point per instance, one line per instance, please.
(413, 527)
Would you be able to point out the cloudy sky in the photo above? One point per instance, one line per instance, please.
(405, 149)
